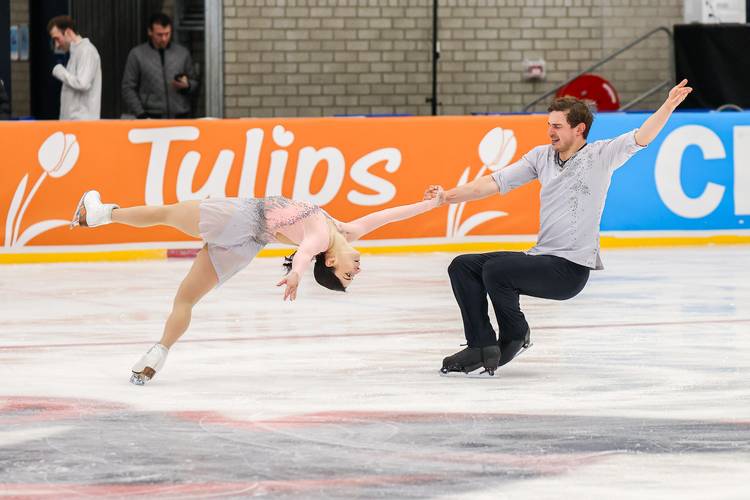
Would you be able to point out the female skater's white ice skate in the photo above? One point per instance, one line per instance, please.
(91, 212)
(150, 363)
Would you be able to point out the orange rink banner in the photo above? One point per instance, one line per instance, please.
(349, 166)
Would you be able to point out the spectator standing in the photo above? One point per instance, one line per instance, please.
(159, 79)
(81, 94)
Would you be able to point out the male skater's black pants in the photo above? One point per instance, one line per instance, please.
(504, 276)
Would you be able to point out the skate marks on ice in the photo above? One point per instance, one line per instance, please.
(78, 448)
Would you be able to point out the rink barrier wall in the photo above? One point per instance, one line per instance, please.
(691, 186)
(607, 242)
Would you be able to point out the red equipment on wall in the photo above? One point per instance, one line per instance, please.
(593, 88)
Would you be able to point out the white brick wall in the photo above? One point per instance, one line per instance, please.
(326, 57)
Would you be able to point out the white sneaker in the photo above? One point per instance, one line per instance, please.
(91, 212)
(150, 363)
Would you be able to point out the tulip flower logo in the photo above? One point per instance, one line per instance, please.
(57, 156)
(495, 150)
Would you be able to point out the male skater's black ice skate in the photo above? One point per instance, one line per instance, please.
(471, 359)
(511, 349)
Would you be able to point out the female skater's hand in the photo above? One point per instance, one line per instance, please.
(291, 281)
(678, 94)
(435, 193)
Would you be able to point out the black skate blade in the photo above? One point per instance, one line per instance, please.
(478, 373)
(520, 351)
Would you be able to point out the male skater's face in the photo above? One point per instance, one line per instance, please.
(562, 136)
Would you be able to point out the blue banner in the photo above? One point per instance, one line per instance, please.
(695, 175)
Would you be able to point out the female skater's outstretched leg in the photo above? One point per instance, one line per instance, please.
(91, 212)
(183, 216)
(198, 282)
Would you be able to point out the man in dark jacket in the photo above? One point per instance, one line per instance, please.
(159, 77)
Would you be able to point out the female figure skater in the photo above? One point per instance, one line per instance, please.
(234, 230)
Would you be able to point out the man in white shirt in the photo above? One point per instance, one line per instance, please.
(81, 95)
(575, 176)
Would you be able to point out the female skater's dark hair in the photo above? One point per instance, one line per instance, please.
(324, 275)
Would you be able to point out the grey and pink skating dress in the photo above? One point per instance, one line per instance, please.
(236, 229)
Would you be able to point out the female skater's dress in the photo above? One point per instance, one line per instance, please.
(236, 229)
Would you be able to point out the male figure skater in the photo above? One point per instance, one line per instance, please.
(575, 177)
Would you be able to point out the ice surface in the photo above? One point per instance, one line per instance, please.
(637, 388)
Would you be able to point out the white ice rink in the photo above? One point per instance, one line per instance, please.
(637, 388)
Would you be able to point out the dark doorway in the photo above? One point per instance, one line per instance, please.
(114, 27)
(5, 46)
(45, 89)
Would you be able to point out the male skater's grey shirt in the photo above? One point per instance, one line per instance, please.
(572, 197)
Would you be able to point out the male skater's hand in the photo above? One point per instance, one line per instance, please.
(435, 193)
(678, 94)
(291, 281)
(648, 131)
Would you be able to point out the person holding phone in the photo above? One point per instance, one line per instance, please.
(159, 79)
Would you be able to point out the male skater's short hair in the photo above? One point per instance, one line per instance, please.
(576, 111)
